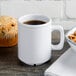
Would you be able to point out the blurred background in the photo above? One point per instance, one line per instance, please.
(62, 12)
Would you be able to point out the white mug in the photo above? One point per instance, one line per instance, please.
(34, 41)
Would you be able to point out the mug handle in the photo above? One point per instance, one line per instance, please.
(61, 30)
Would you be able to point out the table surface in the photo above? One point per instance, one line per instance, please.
(11, 66)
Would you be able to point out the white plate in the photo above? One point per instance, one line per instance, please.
(71, 42)
(64, 66)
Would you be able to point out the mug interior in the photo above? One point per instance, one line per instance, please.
(33, 17)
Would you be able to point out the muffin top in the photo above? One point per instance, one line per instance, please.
(8, 27)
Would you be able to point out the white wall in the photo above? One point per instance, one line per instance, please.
(61, 11)
(18, 8)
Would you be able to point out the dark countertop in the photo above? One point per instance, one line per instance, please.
(11, 66)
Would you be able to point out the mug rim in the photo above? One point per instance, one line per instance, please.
(27, 25)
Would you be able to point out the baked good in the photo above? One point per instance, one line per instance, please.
(73, 37)
(8, 31)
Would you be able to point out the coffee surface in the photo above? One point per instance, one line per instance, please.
(34, 22)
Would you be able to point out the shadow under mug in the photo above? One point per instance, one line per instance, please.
(35, 41)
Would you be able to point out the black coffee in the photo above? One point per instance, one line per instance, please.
(34, 22)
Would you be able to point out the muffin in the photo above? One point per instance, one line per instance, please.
(72, 37)
(8, 31)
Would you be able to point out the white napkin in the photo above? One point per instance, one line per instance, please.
(64, 66)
